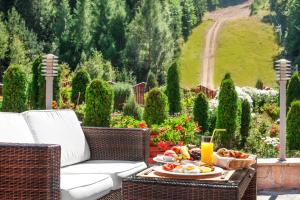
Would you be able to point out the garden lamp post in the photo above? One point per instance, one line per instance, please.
(49, 70)
(283, 72)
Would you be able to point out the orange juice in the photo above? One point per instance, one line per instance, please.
(207, 149)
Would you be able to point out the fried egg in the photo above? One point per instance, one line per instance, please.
(191, 169)
(178, 169)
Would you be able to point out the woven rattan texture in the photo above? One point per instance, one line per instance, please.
(113, 195)
(29, 171)
(118, 144)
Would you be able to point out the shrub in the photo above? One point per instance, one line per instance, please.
(259, 84)
(173, 89)
(14, 90)
(155, 107)
(80, 110)
(122, 91)
(36, 83)
(293, 90)
(293, 127)
(272, 110)
(99, 100)
(131, 108)
(80, 82)
(245, 121)
(151, 82)
(61, 81)
(98, 67)
(227, 112)
(201, 111)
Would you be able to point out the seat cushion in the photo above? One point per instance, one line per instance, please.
(84, 186)
(116, 169)
(14, 129)
(59, 127)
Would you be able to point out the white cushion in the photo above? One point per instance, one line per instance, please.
(59, 127)
(84, 186)
(13, 129)
(116, 169)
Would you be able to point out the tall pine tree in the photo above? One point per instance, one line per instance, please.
(149, 41)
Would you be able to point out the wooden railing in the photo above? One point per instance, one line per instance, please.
(208, 92)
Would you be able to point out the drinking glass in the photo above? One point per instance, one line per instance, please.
(207, 148)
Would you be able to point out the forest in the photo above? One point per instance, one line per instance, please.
(131, 37)
(286, 15)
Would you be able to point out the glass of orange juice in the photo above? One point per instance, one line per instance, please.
(207, 148)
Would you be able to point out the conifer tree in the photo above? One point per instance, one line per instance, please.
(293, 90)
(173, 89)
(149, 41)
(200, 111)
(227, 112)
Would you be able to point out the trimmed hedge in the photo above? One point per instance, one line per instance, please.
(293, 127)
(99, 102)
(80, 82)
(227, 113)
(122, 91)
(155, 107)
(14, 90)
(293, 90)
(35, 83)
(173, 89)
(245, 121)
(131, 108)
(200, 111)
(259, 84)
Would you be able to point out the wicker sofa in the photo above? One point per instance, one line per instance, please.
(48, 155)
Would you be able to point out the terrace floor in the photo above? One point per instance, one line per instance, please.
(273, 195)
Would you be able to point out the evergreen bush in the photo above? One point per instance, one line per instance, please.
(151, 82)
(35, 83)
(155, 107)
(201, 111)
(245, 121)
(14, 90)
(227, 113)
(122, 91)
(131, 108)
(173, 89)
(293, 89)
(259, 84)
(293, 127)
(99, 102)
(80, 82)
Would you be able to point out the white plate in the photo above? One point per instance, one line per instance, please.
(160, 159)
(160, 169)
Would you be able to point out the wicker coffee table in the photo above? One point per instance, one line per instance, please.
(241, 185)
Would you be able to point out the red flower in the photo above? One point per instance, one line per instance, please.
(198, 129)
(142, 125)
(180, 143)
(277, 147)
(162, 145)
(188, 118)
(179, 128)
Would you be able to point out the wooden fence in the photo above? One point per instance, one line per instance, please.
(208, 92)
(139, 92)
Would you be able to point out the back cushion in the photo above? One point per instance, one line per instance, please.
(59, 127)
(14, 129)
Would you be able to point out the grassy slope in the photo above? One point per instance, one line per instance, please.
(246, 49)
(190, 59)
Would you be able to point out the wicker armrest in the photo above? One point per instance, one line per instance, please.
(29, 171)
(118, 144)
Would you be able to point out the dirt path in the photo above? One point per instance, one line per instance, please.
(219, 17)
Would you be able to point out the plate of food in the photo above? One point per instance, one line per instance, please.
(187, 170)
(178, 154)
